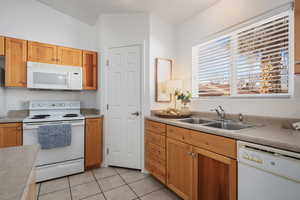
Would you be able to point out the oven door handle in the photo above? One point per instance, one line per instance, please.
(37, 125)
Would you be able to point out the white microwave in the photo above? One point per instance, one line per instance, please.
(54, 77)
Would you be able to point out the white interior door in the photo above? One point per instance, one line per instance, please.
(124, 106)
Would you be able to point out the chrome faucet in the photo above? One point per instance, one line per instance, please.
(221, 112)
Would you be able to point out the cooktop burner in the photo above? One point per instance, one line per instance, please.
(71, 115)
(40, 116)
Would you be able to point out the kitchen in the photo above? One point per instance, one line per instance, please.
(63, 65)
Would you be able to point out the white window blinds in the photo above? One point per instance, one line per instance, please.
(254, 60)
(212, 72)
(263, 58)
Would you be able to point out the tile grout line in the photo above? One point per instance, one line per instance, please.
(70, 188)
(129, 186)
(138, 181)
(138, 197)
(38, 193)
(102, 192)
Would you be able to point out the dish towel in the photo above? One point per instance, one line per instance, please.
(55, 136)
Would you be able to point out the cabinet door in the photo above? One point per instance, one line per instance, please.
(69, 56)
(179, 168)
(10, 135)
(297, 37)
(2, 50)
(93, 143)
(214, 176)
(15, 62)
(44, 53)
(90, 71)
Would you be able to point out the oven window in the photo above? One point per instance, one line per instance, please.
(50, 78)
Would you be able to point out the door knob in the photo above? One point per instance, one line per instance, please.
(135, 113)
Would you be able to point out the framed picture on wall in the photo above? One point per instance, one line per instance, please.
(163, 74)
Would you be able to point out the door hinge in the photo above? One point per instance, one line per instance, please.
(107, 106)
(107, 151)
(107, 63)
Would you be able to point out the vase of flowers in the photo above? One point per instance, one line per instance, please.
(184, 97)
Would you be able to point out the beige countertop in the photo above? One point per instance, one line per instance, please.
(269, 134)
(11, 120)
(16, 164)
(90, 116)
(19, 115)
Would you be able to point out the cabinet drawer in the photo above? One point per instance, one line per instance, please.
(155, 139)
(155, 152)
(176, 133)
(217, 144)
(155, 127)
(157, 169)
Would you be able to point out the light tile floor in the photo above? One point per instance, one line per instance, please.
(105, 184)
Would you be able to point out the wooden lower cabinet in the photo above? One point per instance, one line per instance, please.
(10, 135)
(215, 176)
(93, 142)
(155, 150)
(199, 166)
(2, 46)
(179, 168)
(30, 192)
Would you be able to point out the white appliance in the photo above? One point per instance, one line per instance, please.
(56, 162)
(265, 173)
(52, 76)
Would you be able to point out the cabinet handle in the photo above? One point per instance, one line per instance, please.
(183, 138)
(190, 153)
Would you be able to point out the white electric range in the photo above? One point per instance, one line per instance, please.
(56, 162)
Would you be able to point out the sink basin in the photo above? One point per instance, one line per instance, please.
(195, 121)
(229, 125)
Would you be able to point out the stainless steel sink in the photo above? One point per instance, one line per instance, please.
(196, 121)
(226, 125)
(229, 125)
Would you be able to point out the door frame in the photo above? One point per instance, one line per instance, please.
(104, 95)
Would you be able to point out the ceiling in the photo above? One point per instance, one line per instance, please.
(174, 11)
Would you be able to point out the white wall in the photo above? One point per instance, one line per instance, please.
(223, 15)
(114, 30)
(162, 45)
(31, 20)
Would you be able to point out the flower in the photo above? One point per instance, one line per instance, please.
(184, 97)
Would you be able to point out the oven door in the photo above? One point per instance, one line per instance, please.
(56, 155)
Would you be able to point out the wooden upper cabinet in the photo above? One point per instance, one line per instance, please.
(2, 46)
(90, 66)
(93, 142)
(40, 52)
(297, 37)
(180, 168)
(15, 62)
(69, 56)
(215, 176)
(10, 135)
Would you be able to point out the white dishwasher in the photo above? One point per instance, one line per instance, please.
(265, 173)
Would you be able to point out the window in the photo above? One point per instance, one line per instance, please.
(253, 61)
